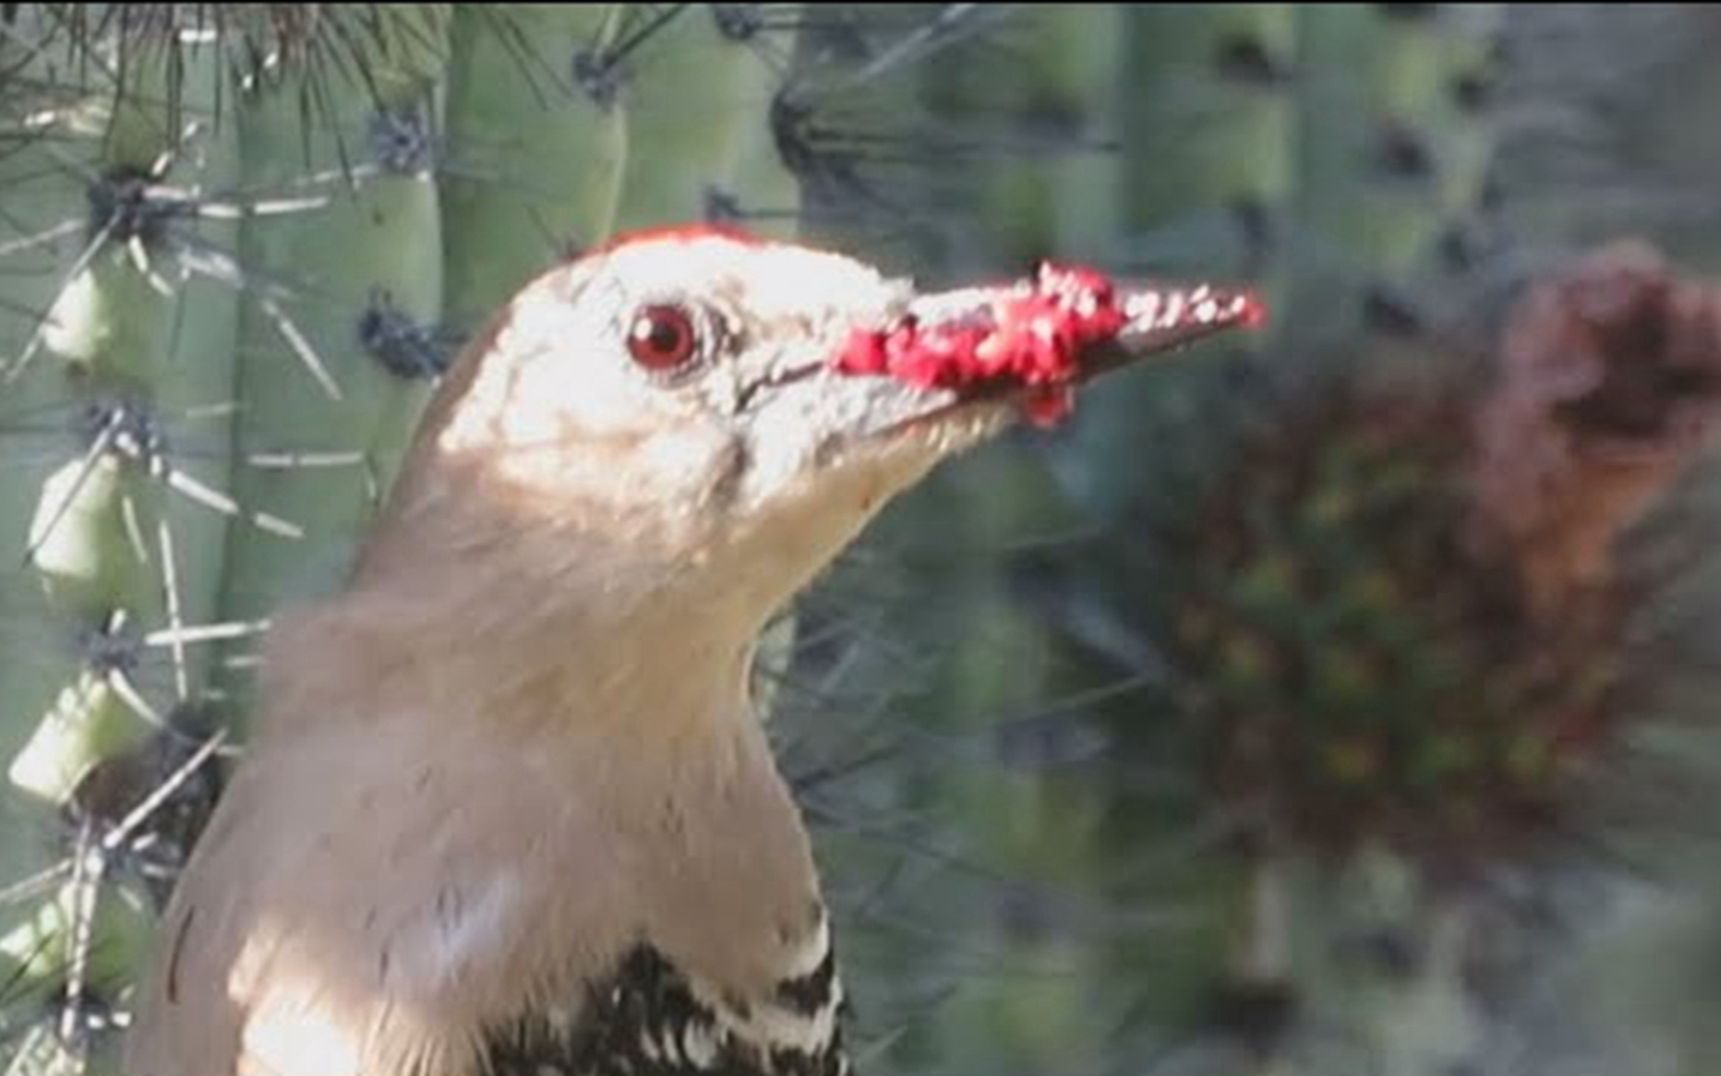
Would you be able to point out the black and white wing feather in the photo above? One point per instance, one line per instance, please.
(651, 1018)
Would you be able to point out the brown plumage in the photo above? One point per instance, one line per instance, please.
(507, 807)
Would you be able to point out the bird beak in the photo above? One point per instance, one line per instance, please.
(1024, 346)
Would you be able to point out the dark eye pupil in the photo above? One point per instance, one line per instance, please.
(664, 336)
(661, 337)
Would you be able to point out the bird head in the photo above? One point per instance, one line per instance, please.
(696, 404)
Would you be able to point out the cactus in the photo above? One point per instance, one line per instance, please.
(523, 187)
(124, 341)
(365, 249)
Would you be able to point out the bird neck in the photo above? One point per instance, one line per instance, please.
(476, 609)
(574, 703)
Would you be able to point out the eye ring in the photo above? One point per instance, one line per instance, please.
(662, 337)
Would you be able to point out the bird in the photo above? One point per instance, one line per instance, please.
(506, 807)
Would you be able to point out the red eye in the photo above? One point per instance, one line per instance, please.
(661, 337)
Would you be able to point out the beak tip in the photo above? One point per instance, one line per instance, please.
(1165, 319)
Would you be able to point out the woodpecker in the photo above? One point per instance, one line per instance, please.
(506, 808)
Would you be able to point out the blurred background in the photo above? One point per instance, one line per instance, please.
(1337, 700)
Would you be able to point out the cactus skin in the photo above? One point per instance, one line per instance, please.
(366, 240)
(132, 341)
(38, 657)
(697, 100)
(536, 147)
(126, 358)
(1396, 138)
(1031, 104)
(1213, 88)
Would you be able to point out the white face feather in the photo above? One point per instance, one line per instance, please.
(755, 445)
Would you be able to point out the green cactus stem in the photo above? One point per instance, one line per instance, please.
(334, 282)
(536, 145)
